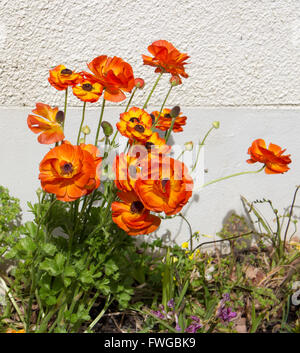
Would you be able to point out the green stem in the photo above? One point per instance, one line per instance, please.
(107, 304)
(100, 121)
(130, 99)
(65, 108)
(190, 229)
(153, 88)
(290, 216)
(11, 298)
(200, 146)
(233, 175)
(162, 107)
(82, 120)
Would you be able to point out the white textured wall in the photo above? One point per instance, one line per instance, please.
(243, 53)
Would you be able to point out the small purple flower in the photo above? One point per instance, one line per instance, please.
(158, 314)
(226, 297)
(194, 326)
(171, 304)
(226, 314)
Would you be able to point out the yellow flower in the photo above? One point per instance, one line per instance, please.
(295, 245)
(185, 245)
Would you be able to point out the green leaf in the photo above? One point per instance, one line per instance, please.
(110, 267)
(49, 249)
(70, 271)
(86, 277)
(27, 244)
(51, 300)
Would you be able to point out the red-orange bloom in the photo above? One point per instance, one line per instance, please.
(93, 150)
(166, 58)
(165, 120)
(272, 157)
(131, 215)
(164, 185)
(88, 91)
(47, 123)
(136, 125)
(114, 74)
(126, 169)
(69, 171)
(61, 77)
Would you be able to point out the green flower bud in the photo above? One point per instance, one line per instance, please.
(107, 128)
(189, 146)
(175, 111)
(216, 124)
(86, 130)
(81, 140)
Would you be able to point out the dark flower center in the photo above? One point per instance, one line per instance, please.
(136, 207)
(168, 116)
(164, 183)
(134, 120)
(87, 87)
(66, 72)
(60, 117)
(153, 118)
(148, 145)
(67, 168)
(139, 128)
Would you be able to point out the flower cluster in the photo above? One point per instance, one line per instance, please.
(148, 181)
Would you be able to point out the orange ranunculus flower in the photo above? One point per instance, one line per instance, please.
(166, 58)
(136, 125)
(93, 150)
(131, 215)
(69, 171)
(61, 77)
(126, 169)
(272, 157)
(157, 145)
(114, 74)
(164, 184)
(88, 91)
(165, 120)
(48, 123)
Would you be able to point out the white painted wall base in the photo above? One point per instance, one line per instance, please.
(225, 153)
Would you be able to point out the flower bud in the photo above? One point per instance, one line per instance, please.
(139, 83)
(81, 140)
(175, 81)
(175, 111)
(107, 128)
(60, 117)
(188, 146)
(216, 124)
(86, 130)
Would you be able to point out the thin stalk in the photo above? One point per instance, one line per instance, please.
(233, 175)
(153, 88)
(190, 229)
(100, 121)
(130, 99)
(11, 298)
(200, 146)
(82, 121)
(290, 216)
(162, 107)
(107, 304)
(65, 108)
(221, 240)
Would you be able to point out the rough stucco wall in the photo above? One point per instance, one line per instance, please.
(242, 52)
